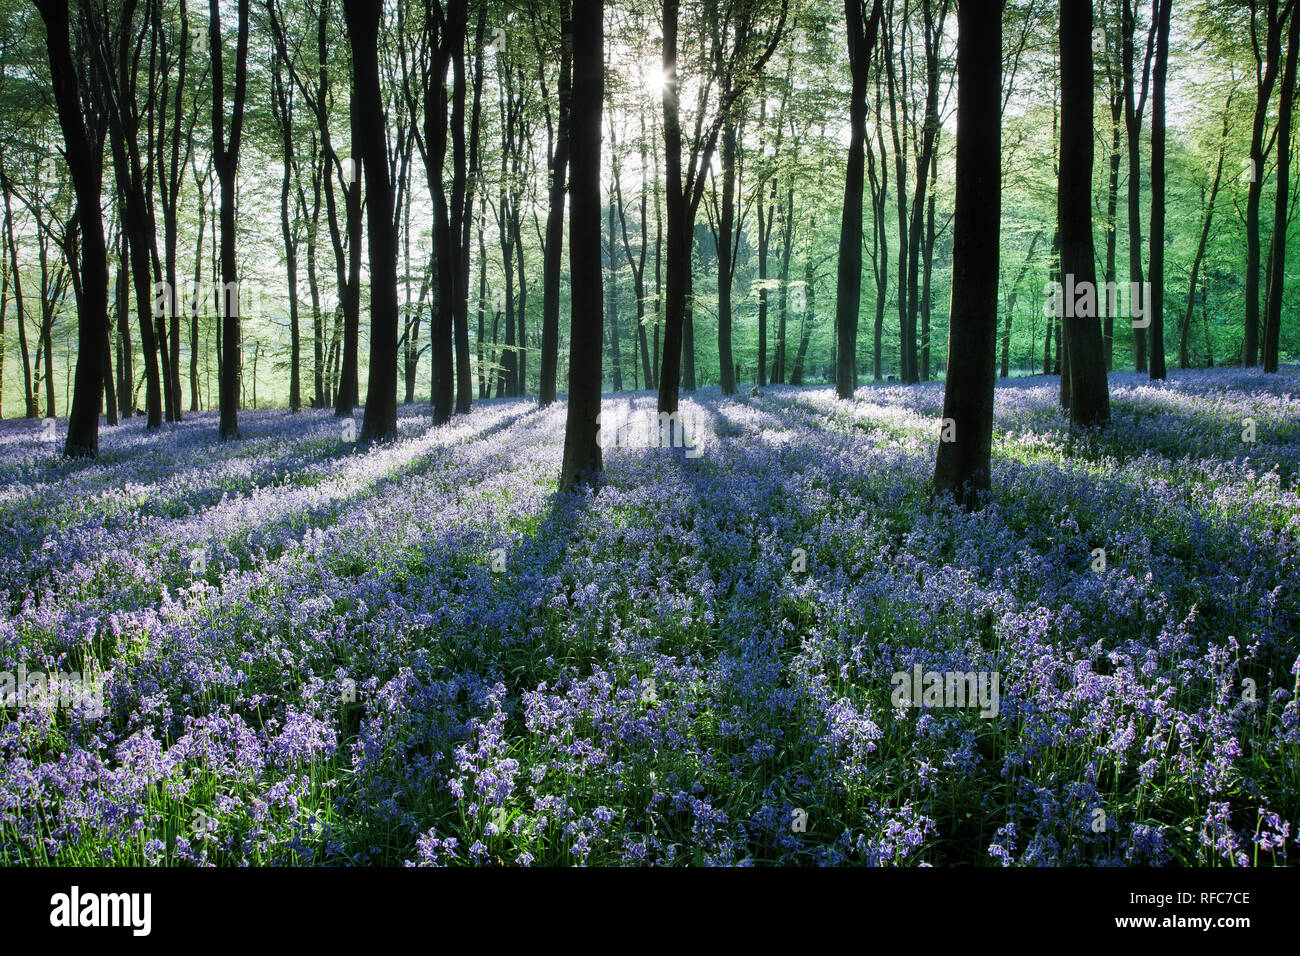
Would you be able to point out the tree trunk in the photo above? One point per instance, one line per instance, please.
(226, 160)
(450, 37)
(552, 255)
(1156, 306)
(1277, 285)
(582, 453)
(726, 267)
(1134, 105)
(611, 298)
(1082, 349)
(380, 418)
(86, 169)
(963, 465)
(848, 289)
(1267, 78)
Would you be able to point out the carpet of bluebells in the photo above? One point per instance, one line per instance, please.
(313, 652)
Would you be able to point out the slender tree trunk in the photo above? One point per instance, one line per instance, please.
(552, 255)
(615, 342)
(963, 464)
(726, 268)
(380, 419)
(1116, 98)
(1082, 349)
(459, 191)
(880, 237)
(1156, 306)
(848, 291)
(766, 215)
(927, 268)
(1281, 212)
(582, 452)
(126, 371)
(1267, 78)
(226, 160)
(1134, 105)
(348, 392)
(86, 167)
(678, 252)
(450, 37)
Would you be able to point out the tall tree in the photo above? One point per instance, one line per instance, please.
(863, 31)
(225, 152)
(932, 35)
(282, 110)
(685, 186)
(380, 419)
(1282, 200)
(1159, 82)
(582, 457)
(1080, 325)
(963, 465)
(552, 255)
(1135, 98)
(1267, 63)
(445, 37)
(84, 154)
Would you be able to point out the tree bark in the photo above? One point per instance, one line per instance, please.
(553, 253)
(1082, 349)
(582, 453)
(226, 160)
(963, 465)
(1281, 212)
(380, 418)
(85, 166)
(1156, 305)
(1267, 78)
(848, 290)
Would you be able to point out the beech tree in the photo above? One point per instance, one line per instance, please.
(963, 465)
(1268, 57)
(863, 30)
(84, 155)
(735, 55)
(1282, 199)
(380, 419)
(225, 153)
(1081, 325)
(1156, 303)
(582, 457)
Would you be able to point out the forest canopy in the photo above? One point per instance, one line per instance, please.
(197, 113)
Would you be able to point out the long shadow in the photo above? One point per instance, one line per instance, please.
(269, 528)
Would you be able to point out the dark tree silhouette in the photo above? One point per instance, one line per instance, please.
(553, 254)
(380, 420)
(1159, 82)
(1135, 98)
(226, 160)
(447, 33)
(582, 455)
(1268, 56)
(963, 463)
(84, 155)
(862, 41)
(1082, 347)
(1282, 200)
